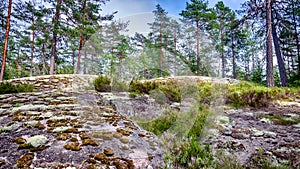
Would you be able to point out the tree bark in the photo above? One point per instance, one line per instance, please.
(222, 53)
(79, 54)
(269, 53)
(198, 48)
(32, 49)
(175, 54)
(81, 39)
(233, 57)
(281, 67)
(161, 50)
(54, 39)
(296, 35)
(6, 40)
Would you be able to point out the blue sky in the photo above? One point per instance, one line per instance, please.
(139, 12)
(173, 7)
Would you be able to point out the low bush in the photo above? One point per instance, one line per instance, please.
(7, 88)
(189, 153)
(247, 94)
(102, 84)
(170, 89)
(119, 86)
(160, 124)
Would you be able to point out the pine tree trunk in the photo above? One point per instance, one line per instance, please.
(85, 63)
(73, 60)
(160, 51)
(269, 53)
(175, 55)
(233, 57)
(81, 40)
(79, 55)
(296, 36)
(54, 39)
(6, 41)
(281, 67)
(198, 48)
(222, 53)
(32, 50)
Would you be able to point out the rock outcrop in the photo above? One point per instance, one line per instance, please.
(66, 126)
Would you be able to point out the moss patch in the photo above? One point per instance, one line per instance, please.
(160, 124)
(74, 146)
(25, 161)
(281, 120)
(169, 88)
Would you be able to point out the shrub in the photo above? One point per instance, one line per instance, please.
(119, 85)
(246, 94)
(160, 124)
(7, 88)
(190, 154)
(142, 87)
(102, 84)
(172, 92)
(169, 89)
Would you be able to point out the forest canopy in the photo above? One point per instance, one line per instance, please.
(259, 42)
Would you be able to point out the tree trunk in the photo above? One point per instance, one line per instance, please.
(44, 60)
(198, 48)
(54, 39)
(222, 53)
(32, 49)
(296, 35)
(81, 39)
(79, 54)
(6, 41)
(281, 67)
(233, 57)
(161, 50)
(175, 55)
(73, 61)
(269, 53)
(18, 67)
(85, 63)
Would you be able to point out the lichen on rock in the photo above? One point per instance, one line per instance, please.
(37, 140)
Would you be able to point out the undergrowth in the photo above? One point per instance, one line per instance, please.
(7, 88)
(170, 89)
(102, 84)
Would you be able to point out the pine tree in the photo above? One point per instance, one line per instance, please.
(6, 40)
(159, 30)
(198, 12)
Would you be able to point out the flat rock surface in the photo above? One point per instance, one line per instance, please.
(60, 129)
(270, 132)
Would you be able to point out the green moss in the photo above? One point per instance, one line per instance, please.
(200, 122)
(102, 84)
(160, 124)
(169, 88)
(281, 120)
(243, 94)
(7, 88)
(247, 94)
